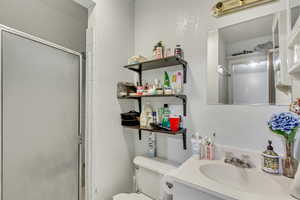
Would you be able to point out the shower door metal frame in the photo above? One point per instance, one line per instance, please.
(81, 139)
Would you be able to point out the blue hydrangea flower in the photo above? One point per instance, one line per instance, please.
(285, 124)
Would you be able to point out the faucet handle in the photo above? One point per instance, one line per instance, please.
(246, 161)
(228, 157)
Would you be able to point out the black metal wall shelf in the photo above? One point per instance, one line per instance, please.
(179, 96)
(158, 64)
(180, 132)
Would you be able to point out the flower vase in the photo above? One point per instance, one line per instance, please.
(289, 163)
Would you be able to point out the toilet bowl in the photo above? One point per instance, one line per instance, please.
(150, 175)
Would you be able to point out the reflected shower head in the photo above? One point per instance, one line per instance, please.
(223, 71)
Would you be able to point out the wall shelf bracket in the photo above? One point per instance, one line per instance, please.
(184, 139)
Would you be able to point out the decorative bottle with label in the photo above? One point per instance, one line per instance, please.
(271, 160)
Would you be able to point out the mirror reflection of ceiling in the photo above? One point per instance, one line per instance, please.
(252, 67)
(248, 30)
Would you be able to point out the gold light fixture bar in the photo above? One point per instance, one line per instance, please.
(229, 6)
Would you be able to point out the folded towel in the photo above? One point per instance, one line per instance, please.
(295, 189)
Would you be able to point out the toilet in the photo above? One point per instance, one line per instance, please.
(149, 179)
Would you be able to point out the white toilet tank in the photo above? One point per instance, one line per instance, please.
(149, 173)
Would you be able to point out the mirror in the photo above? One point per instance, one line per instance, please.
(247, 63)
(294, 6)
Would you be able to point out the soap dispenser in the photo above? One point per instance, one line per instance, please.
(271, 160)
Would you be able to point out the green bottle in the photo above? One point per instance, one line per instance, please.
(167, 81)
(166, 116)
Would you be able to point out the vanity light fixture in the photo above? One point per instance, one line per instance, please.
(229, 6)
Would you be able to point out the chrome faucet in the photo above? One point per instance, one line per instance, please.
(241, 163)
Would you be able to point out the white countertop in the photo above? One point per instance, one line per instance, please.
(189, 174)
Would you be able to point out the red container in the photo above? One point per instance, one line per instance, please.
(174, 123)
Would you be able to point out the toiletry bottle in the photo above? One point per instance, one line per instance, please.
(159, 88)
(143, 118)
(196, 145)
(152, 145)
(173, 83)
(140, 89)
(202, 148)
(146, 116)
(205, 142)
(271, 160)
(167, 84)
(159, 113)
(149, 110)
(160, 50)
(168, 52)
(181, 122)
(146, 89)
(150, 121)
(208, 149)
(212, 147)
(154, 52)
(154, 115)
(156, 83)
(179, 83)
(167, 81)
(166, 115)
(178, 51)
(152, 89)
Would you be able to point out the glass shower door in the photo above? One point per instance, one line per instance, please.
(40, 120)
(250, 83)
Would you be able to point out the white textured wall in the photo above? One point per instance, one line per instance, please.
(188, 22)
(60, 21)
(113, 147)
(213, 60)
(223, 80)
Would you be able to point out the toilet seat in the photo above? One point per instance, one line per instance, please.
(133, 196)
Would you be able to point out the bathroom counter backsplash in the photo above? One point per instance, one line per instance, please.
(254, 157)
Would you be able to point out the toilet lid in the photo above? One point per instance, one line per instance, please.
(133, 196)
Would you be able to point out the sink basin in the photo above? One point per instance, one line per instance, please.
(245, 180)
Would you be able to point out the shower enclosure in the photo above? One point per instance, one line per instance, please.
(41, 142)
(248, 83)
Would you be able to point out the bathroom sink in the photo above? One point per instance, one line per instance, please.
(245, 180)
